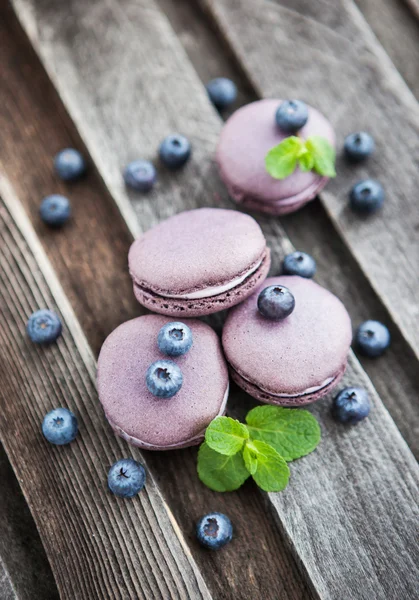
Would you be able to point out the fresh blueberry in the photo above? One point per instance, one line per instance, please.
(299, 263)
(55, 210)
(175, 151)
(367, 196)
(214, 530)
(44, 326)
(222, 92)
(164, 378)
(359, 146)
(126, 478)
(291, 115)
(60, 426)
(351, 405)
(174, 339)
(140, 175)
(372, 338)
(276, 302)
(69, 164)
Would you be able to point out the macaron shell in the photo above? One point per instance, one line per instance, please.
(180, 308)
(135, 413)
(245, 140)
(195, 250)
(295, 356)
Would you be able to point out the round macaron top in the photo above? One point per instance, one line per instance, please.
(160, 422)
(292, 356)
(245, 140)
(195, 250)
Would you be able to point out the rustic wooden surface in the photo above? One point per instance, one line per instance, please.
(368, 464)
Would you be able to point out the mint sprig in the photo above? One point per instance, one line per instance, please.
(273, 435)
(314, 153)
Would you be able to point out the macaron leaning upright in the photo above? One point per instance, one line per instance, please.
(247, 137)
(198, 262)
(293, 360)
(162, 383)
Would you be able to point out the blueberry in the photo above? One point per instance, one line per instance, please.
(367, 196)
(60, 426)
(351, 405)
(140, 175)
(222, 92)
(175, 151)
(174, 339)
(43, 326)
(214, 530)
(55, 210)
(69, 164)
(372, 338)
(299, 263)
(358, 146)
(126, 478)
(291, 115)
(164, 378)
(276, 302)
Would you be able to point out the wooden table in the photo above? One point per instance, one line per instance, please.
(112, 78)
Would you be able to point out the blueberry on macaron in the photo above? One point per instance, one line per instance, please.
(44, 326)
(299, 263)
(366, 196)
(60, 426)
(351, 405)
(174, 339)
(164, 378)
(214, 530)
(372, 338)
(69, 164)
(276, 302)
(291, 115)
(126, 478)
(222, 92)
(140, 175)
(358, 146)
(55, 210)
(175, 151)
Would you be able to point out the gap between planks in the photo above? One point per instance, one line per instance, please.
(345, 476)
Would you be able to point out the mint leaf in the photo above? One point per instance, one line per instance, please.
(272, 472)
(305, 160)
(281, 160)
(250, 458)
(219, 472)
(293, 432)
(323, 154)
(226, 436)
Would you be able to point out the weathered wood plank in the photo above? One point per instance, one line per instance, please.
(89, 255)
(347, 63)
(99, 546)
(354, 467)
(7, 589)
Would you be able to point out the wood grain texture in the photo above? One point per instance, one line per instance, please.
(99, 546)
(89, 255)
(358, 472)
(310, 229)
(335, 48)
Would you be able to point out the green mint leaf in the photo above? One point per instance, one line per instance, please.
(323, 154)
(293, 432)
(305, 160)
(219, 472)
(226, 436)
(250, 458)
(281, 160)
(272, 472)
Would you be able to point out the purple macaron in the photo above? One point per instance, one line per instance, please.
(143, 419)
(245, 140)
(198, 262)
(293, 361)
